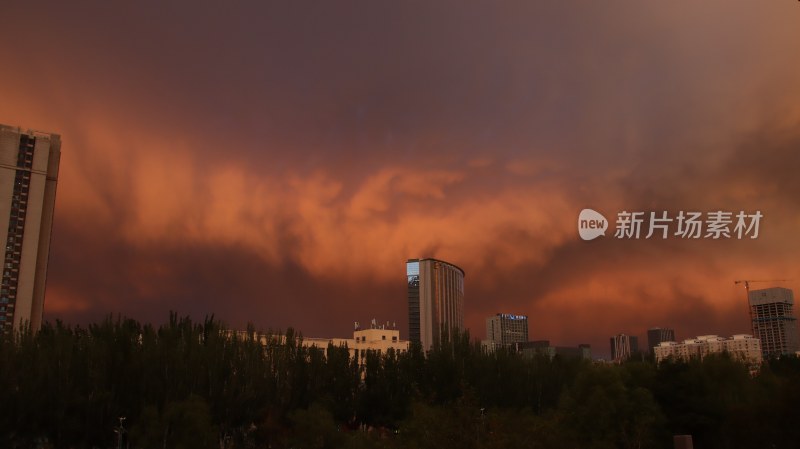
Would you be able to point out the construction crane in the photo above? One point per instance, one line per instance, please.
(747, 283)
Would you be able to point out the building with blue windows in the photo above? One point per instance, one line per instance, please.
(435, 300)
(504, 329)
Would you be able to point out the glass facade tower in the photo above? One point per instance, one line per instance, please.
(623, 347)
(435, 299)
(658, 335)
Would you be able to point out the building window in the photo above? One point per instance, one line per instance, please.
(16, 224)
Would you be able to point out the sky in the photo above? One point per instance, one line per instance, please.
(277, 162)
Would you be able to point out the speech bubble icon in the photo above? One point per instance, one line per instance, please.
(591, 224)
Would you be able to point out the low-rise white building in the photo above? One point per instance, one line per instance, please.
(741, 347)
(377, 337)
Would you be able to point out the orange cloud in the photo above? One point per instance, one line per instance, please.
(59, 301)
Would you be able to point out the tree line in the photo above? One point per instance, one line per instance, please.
(187, 384)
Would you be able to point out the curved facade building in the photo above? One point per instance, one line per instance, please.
(435, 299)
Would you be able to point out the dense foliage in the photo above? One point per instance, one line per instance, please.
(191, 385)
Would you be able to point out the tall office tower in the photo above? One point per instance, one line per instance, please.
(435, 299)
(623, 346)
(774, 322)
(28, 176)
(657, 335)
(504, 329)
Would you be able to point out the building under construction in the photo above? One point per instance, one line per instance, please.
(773, 320)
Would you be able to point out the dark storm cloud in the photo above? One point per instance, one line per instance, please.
(766, 162)
(233, 283)
(341, 81)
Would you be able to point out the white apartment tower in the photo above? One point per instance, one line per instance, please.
(29, 163)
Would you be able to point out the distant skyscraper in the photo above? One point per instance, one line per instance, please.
(504, 329)
(657, 335)
(623, 346)
(28, 175)
(435, 299)
(774, 322)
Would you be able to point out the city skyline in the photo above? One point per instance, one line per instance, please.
(276, 165)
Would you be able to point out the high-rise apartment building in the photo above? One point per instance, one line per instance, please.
(28, 176)
(435, 299)
(505, 329)
(774, 323)
(623, 346)
(657, 335)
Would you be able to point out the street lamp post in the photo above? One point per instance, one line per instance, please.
(119, 431)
